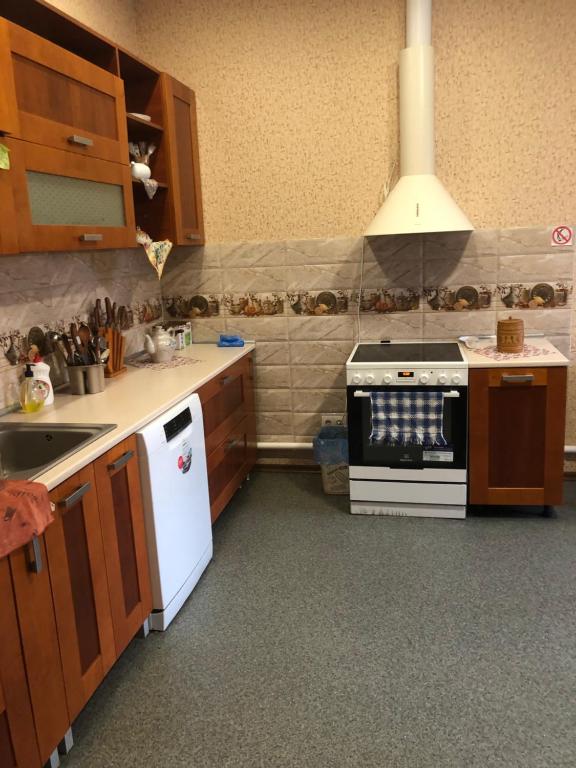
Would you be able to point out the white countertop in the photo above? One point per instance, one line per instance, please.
(130, 401)
(548, 355)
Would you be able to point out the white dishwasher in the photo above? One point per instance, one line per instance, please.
(176, 506)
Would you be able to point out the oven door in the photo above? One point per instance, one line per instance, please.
(382, 460)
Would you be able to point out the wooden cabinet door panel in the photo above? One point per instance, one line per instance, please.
(66, 102)
(224, 403)
(9, 230)
(8, 105)
(68, 202)
(33, 596)
(18, 747)
(184, 161)
(122, 517)
(80, 588)
(517, 435)
(227, 467)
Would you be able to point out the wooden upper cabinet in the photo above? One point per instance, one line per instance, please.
(77, 568)
(18, 747)
(39, 639)
(184, 162)
(124, 536)
(64, 101)
(517, 420)
(66, 202)
(8, 104)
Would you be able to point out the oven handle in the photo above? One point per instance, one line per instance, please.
(361, 393)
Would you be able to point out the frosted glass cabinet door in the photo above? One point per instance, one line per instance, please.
(66, 202)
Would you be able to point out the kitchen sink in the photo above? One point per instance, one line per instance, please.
(28, 450)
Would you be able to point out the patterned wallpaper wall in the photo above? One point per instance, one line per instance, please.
(297, 105)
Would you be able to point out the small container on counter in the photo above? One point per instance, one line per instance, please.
(86, 379)
(510, 335)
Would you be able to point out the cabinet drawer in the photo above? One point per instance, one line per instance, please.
(227, 467)
(225, 402)
(64, 101)
(67, 202)
(517, 377)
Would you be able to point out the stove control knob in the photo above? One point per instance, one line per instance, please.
(370, 378)
(456, 379)
(387, 378)
(424, 378)
(357, 378)
(442, 378)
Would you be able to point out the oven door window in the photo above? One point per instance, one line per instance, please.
(409, 450)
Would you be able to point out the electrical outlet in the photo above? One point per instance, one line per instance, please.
(334, 419)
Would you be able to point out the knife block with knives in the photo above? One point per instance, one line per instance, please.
(111, 332)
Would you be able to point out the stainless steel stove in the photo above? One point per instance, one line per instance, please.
(407, 428)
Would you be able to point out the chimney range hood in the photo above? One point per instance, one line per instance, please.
(419, 202)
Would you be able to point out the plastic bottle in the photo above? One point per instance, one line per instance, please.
(32, 392)
(41, 372)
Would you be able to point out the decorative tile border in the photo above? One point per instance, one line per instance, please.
(255, 304)
(196, 306)
(463, 298)
(320, 303)
(535, 295)
(388, 300)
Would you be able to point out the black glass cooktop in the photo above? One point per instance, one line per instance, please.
(424, 352)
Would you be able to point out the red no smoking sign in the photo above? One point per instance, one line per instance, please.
(562, 235)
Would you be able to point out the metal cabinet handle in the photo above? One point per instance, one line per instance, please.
(74, 497)
(193, 237)
(91, 238)
(226, 380)
(119, 463)
(35, 565)
(81, 141)
(360, 393)
(520, 378)
(231, 444)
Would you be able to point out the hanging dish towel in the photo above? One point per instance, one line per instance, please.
(25, 512)
(407, 418)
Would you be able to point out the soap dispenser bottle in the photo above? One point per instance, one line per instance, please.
(32, 391)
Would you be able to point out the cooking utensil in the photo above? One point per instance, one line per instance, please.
(98, 314)
(114, 315)
(109, 315)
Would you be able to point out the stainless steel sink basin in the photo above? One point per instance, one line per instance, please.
(28, 450)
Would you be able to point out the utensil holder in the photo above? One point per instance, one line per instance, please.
(86, 379)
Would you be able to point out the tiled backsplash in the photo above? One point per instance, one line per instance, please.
(52, 289)
(306, 302)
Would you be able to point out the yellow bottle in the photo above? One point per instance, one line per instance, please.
(32, 392)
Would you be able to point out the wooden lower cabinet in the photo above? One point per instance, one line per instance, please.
(516, 443)
(77, 567)
(18, 745)
(229, 430)
(41, 651)
(124, 536)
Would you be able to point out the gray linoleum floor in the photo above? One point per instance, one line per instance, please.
(320, 639)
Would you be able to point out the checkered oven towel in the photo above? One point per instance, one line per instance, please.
(407, 418)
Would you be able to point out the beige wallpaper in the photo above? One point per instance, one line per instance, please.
(116, 19)
(298, 111)
(297, 105)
